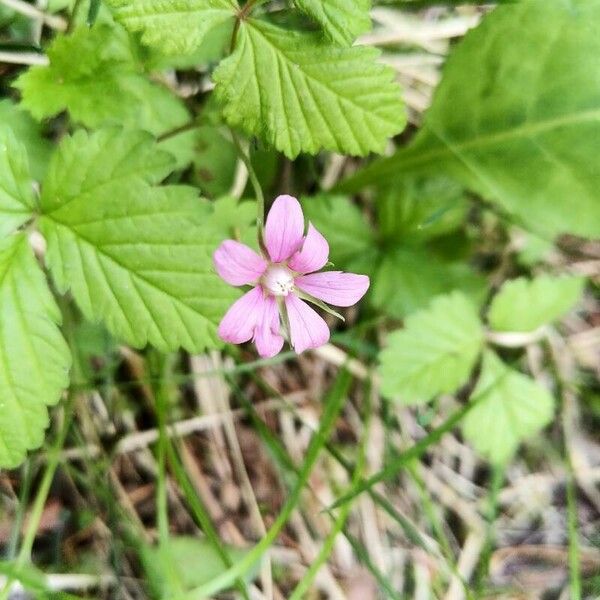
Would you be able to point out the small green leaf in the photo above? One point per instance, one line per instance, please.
(136, 256)
(511, 407)
(29, 133)
(90, 87)
(174, 26)
(104, 86)
(17, 201)
(435, 352)
(303, 95)
(34, 358)
(407, 279)
(342, 20)
(523, 305)
(194, 559)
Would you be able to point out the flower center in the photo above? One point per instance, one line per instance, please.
(278, 280)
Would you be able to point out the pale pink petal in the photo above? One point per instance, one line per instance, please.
(307, 328)
(313, 255)
(237, 264)
(284, 229)
(334, 287)
(238, 324)
(266, 336)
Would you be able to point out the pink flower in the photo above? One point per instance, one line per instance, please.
(279, 280)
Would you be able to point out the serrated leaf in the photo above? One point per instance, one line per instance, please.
(34, 358)
(342, 20)
(136, 256)
(435, 352)
(89, 87)
(17, 201)
(517, 117)
(174, 26)
(104, 87)
(303, 95)
(523, 305)
(407, 279)
(28, 132)
(510, 408)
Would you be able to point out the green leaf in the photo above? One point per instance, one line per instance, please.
(409, 278)
(28, 132)
(195, 560)
(523, 305)
(517, 117)
(136, 256)
(17, 201)
(418, 210)
(342, 20)
(511, 408)
(34, 358)
(343, 225)
(90, 87)
(174, 26)
(104, 87)
(435, 352)
(303, 95)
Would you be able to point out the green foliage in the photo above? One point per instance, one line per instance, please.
(434, 353)
(16, 192)
(408, 278)
(104, 86)
(524, 305)
(527, 131)
(303, 95)
(342, 20)
(92, 88)
(343, 224)
(511, 407)
(406, 269)
(136, 256)
(34, 358)
(196, 562)
(174, 26)
(28, 133)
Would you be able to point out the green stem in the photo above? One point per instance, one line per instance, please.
(260, 199)
(573, 531)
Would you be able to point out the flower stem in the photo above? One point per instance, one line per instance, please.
(260, 199)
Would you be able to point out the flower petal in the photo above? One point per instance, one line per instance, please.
(267, 338)
(238, 324)
(284, 229)
(313, 255)
(307, 328)
(334, 287)
(237, 264)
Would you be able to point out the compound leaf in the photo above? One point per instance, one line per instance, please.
(523, 305)
(136, 256)
(342, 20)
(510, 408)
(434, 353)
(34, 358)
(303, 95)
(16, 192)
(174, 26)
